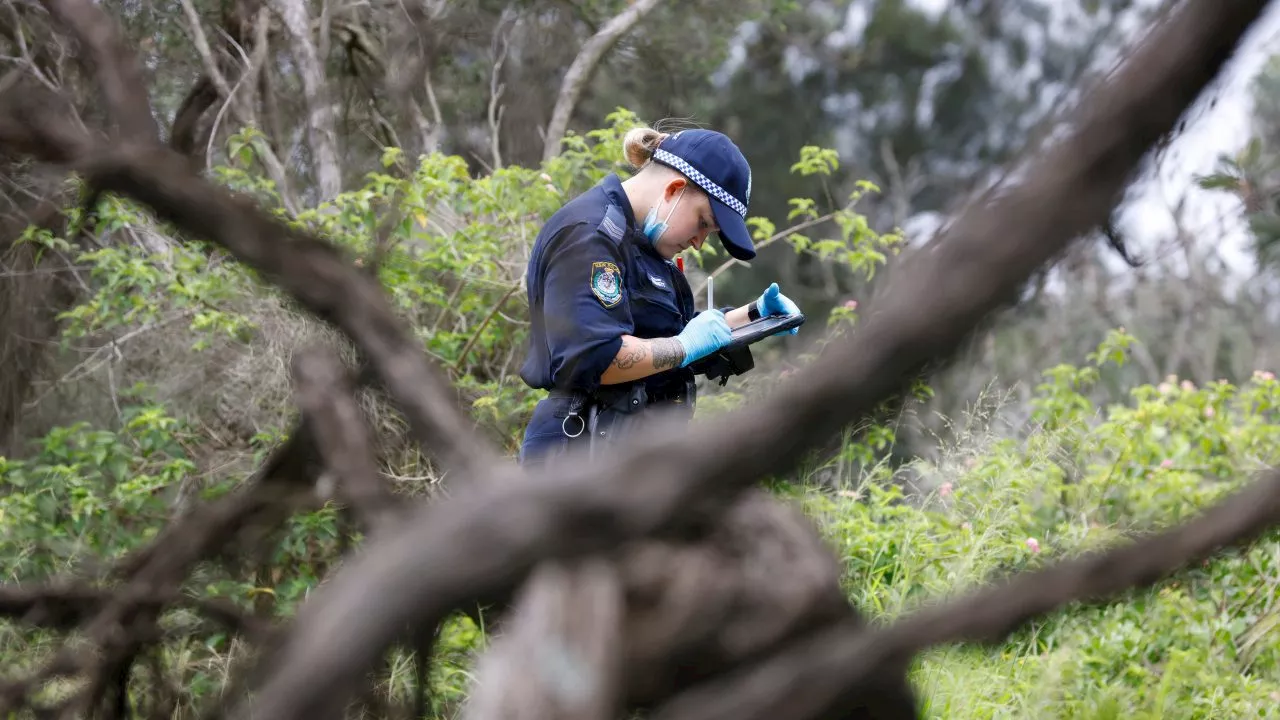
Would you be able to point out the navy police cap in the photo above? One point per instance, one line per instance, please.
(715, 164)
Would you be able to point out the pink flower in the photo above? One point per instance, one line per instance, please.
(1188, 385)
(1165, 388)
(1209, 412)
(966, 526)
(1264, 375)
(945, 489)
(1033, 545)
(1166, 463)
(850, 304)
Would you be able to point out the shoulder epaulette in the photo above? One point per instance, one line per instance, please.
(613, 223)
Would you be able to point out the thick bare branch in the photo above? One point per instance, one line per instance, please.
(726, 592)
(325, 396)
(482, 539)
(119, 71)
(64, 607)
(584, 66)
(186, 121)
(569, 621)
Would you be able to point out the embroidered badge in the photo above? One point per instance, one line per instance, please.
(606, 283)
(658, 282)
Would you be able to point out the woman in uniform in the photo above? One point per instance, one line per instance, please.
(613, 325)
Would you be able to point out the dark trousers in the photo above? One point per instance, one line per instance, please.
(565, 420)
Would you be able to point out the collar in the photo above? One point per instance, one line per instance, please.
(612, 186)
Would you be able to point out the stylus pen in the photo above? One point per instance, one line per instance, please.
(711, 281)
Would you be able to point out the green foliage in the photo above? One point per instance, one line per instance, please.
(1086, 478)
(89, 494)
(1195, 646)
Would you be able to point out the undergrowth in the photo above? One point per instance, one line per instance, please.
(173, 384)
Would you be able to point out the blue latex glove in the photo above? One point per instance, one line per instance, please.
(773, 302)
(705, 333)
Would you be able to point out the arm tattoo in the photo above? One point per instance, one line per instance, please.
(667, 353)
(629, 355)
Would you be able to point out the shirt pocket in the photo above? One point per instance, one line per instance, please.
(655, 310)
(655, 313)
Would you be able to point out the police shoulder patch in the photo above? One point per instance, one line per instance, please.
(606, 283)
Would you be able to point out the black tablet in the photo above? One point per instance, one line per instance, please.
(758, 330)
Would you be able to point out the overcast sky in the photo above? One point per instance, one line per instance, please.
(1221, 129)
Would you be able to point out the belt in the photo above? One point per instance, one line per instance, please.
(675, 392)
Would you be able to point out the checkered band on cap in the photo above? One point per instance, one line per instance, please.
(703, 181)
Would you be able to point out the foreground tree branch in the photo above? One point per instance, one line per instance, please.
(118, 70)
(326, 398)
(492, 535)
(484, 538)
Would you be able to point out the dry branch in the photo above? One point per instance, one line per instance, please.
(568, 622)
(63, 607)
(118, 70)
(584, 66)
(493, 535)
(326, 398)
(674, 612)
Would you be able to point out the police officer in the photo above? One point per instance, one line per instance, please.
(613, 326)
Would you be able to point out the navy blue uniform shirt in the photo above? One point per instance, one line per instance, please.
(593, 276)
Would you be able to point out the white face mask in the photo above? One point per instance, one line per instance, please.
(653, 229)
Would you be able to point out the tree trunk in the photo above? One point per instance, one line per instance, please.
(320, 123)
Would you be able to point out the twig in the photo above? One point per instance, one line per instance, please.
(496, 89)
(483, 324)
(84, 367)
(781, 234)
(201, 40)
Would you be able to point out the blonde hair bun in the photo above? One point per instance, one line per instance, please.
(639, 143)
